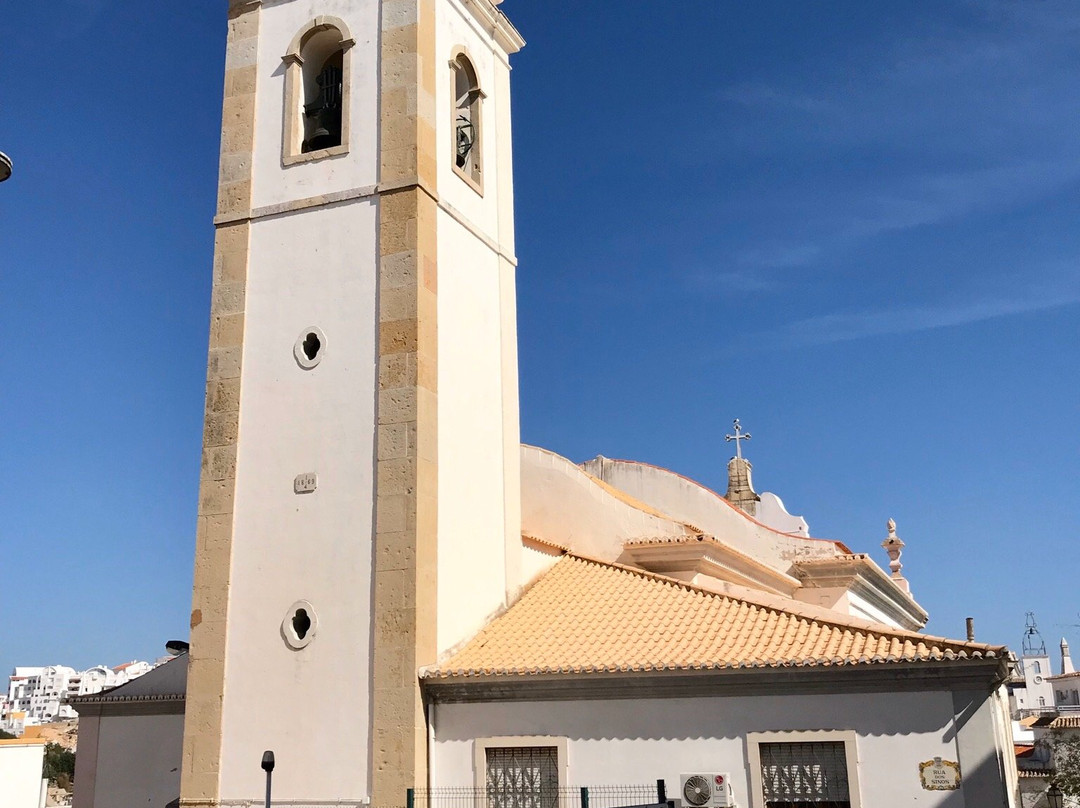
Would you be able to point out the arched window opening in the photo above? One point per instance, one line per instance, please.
(1037, 667)
(323, 66)
(317, 91)
(466, 123)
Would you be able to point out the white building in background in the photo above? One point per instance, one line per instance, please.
(1042, 704)
(38, 695)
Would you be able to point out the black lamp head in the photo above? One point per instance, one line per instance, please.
(268, 761)
(1055, 797)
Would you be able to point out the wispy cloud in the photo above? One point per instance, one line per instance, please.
(778, 256)
(936, 198)
(856, 217)
(842, 327)
(962, 115)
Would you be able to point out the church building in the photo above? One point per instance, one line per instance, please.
(404, 603)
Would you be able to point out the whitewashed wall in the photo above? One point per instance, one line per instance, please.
(128, 760)
(456, 27)
(315, 546)
(279, 23)
(20, 774)
(472, 488)
(562, 504)
(479, 488)
(640, 741)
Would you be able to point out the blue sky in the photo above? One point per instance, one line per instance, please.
(851, 225)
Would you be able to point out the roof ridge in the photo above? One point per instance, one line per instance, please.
(857, 623)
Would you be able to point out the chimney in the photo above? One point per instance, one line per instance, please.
(971, 629)
(1066, 660)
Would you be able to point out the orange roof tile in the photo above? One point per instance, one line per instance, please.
(587, 616)
(549, 545)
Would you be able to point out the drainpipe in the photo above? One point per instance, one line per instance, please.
(430, 744)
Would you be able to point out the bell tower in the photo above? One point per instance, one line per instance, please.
(359, 505)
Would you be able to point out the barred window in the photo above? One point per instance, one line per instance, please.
(522, 777)
(800, 775)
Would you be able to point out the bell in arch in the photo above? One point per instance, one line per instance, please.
(324, 113)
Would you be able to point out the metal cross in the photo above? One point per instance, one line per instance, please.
(737, 437)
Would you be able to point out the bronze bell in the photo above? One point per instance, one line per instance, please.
(324, 115)
(321, 138)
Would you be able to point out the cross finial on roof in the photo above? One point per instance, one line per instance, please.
(737, 437)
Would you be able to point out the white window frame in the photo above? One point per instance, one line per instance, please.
(851, 756)
(481, 745)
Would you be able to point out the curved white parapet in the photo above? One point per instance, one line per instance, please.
(562, 504)
(690, 502)
(772, 513)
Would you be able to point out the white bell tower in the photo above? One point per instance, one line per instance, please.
(359, 498)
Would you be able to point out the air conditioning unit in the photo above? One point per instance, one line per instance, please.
(706, 790)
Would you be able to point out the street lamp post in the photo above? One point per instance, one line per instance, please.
(268, 767)
(1055, 798)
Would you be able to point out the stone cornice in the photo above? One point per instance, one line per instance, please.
(496, 23)
(132, 705)
(952, 675)
(95, 698)
(859, 574)
(705, 555)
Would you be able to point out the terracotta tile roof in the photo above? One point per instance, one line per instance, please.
(586, 616)
(1066, 722)
(544, 543)
(1060, 676)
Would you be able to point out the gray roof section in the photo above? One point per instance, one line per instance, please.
(167, 682)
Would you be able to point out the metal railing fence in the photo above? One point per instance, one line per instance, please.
(595, 796)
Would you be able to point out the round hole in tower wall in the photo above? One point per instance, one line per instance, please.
(310, 347)
(299, 625)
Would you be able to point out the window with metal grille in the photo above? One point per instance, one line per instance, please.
(798, 775)
(522, 777)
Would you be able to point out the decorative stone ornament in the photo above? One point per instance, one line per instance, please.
(894, 546)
